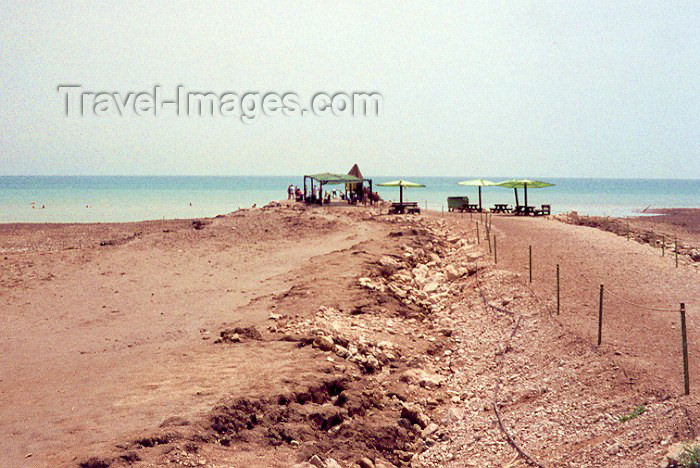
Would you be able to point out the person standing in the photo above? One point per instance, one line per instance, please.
(290, 192)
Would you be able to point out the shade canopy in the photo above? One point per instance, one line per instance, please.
(515, 184)
(524, 183)
(400, 183)
(477, 183)
(329, 178)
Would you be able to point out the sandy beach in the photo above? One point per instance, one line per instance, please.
(341, 337)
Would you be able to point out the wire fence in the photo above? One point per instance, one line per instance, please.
(605, 295)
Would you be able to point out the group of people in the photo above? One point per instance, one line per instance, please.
(361, 195)
(294, 193)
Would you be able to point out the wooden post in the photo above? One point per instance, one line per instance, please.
(478, 238)
(488, 237)
(495, 251)
(686, 376)
(442, 210)
(558, 297)
(530, 253)
(628, 231)
(663, 246)
(676, 250)
(600, 317)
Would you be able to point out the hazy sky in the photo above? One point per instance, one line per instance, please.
(532, 89)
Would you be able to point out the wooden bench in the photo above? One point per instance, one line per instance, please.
(545, 211)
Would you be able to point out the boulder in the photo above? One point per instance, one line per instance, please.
(422, 378)
(429, 430)
(452, 273)
(324, 343)
(414, 414)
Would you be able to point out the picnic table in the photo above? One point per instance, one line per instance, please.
(405, 207)
(523, 210)
(501, 208)
(473, 207)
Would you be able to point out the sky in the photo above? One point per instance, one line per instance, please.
(478, 88)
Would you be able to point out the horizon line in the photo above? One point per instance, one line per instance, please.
(302, 175)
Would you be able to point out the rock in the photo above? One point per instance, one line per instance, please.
(431, 287)
(331, 463)
(422, 378)
(452, 273)
(365, 462)
(398, 291)
(316, 461)
(274, 316)
(369, 284)
(324, 343)
(434, 257)
(675, 456)
(234, 335)
(387, 261)
(429, 430)
(229, 336)
(471, 268)
(473, 257)
(454, 414)
(342, 351)
(415, 415)
(614, 448)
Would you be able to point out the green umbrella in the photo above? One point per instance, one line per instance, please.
(477, 183)
(401, 184)
(515, 184)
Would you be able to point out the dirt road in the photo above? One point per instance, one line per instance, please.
(632, 273)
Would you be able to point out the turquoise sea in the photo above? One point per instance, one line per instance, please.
(115, 199)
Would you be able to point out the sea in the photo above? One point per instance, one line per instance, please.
(103, 199)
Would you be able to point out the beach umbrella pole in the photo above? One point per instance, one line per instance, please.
(479, 198)
(516, 196)
(525, 188)
(401, 194)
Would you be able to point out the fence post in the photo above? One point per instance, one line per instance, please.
(686, 376)
(676, 250)
(628, 231)
(478, 238)
(600, 317)
(530, 254)
(488, 237)
(663, 246)
(495, 251)
(558, 297)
